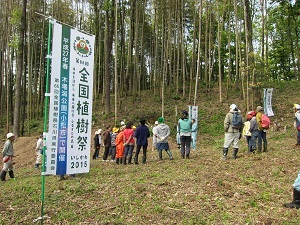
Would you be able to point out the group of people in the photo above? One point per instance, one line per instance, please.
(254, 130)
(119, 143)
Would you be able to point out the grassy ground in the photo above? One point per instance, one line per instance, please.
(201, 190)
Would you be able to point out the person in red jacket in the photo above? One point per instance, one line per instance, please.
(128, 142)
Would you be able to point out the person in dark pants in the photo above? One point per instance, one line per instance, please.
(128, 134)
(97, 143)
(262, 143)
(112, 149)
(106, 142)
(141, 135)
(185, 132)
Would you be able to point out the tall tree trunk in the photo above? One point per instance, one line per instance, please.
(237, 62)
(17, 105)
(116, 61)
(199, 51)
(109, 30)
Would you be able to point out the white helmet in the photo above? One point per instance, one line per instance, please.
(297, 106)
(9, 135)
(233, 107)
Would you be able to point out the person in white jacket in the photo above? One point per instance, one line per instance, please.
(39, 151)
(154, 141)
(162, 134)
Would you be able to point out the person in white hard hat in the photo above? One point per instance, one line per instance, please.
(8, 154)
(97, 143)
(233, 126)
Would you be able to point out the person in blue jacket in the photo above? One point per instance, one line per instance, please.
(141, 135)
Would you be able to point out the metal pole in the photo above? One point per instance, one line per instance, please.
(46, 119)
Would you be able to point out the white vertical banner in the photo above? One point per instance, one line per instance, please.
(268, 101)
(194, 113)
(70, 108)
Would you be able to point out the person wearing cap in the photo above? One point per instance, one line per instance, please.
(128, 142)
(246, 131)
(297, 122)
(120, 145)
(8, 154)
(97, 143)
(154, 141)
(39, 151)
(141, 136)
(232, 132)
(262, 134)
(162, 133)
(185, 132)
(112, 149)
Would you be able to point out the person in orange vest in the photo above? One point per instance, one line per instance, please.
(120, 145)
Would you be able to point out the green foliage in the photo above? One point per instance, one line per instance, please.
(212, 124)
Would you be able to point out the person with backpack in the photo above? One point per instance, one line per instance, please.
(263, 123)
(233, 126)
(297, 123)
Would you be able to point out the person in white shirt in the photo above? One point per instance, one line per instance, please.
(154, 139)
(39, 151)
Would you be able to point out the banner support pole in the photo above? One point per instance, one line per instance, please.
(46, 119)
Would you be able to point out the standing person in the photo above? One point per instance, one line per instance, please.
(246, 130)
(120, 145)
(154, 140)
(39, 151)
(106, 142)
(296, 194)
(254, 132)
(297, 122)
(113, 144)
(185, 131)
(97, 143)
(194, 133)
(178, 137)
(8, 154)
(128, 142)
(233, 125)
(262, 133)
(162, 134)
(141, 134)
